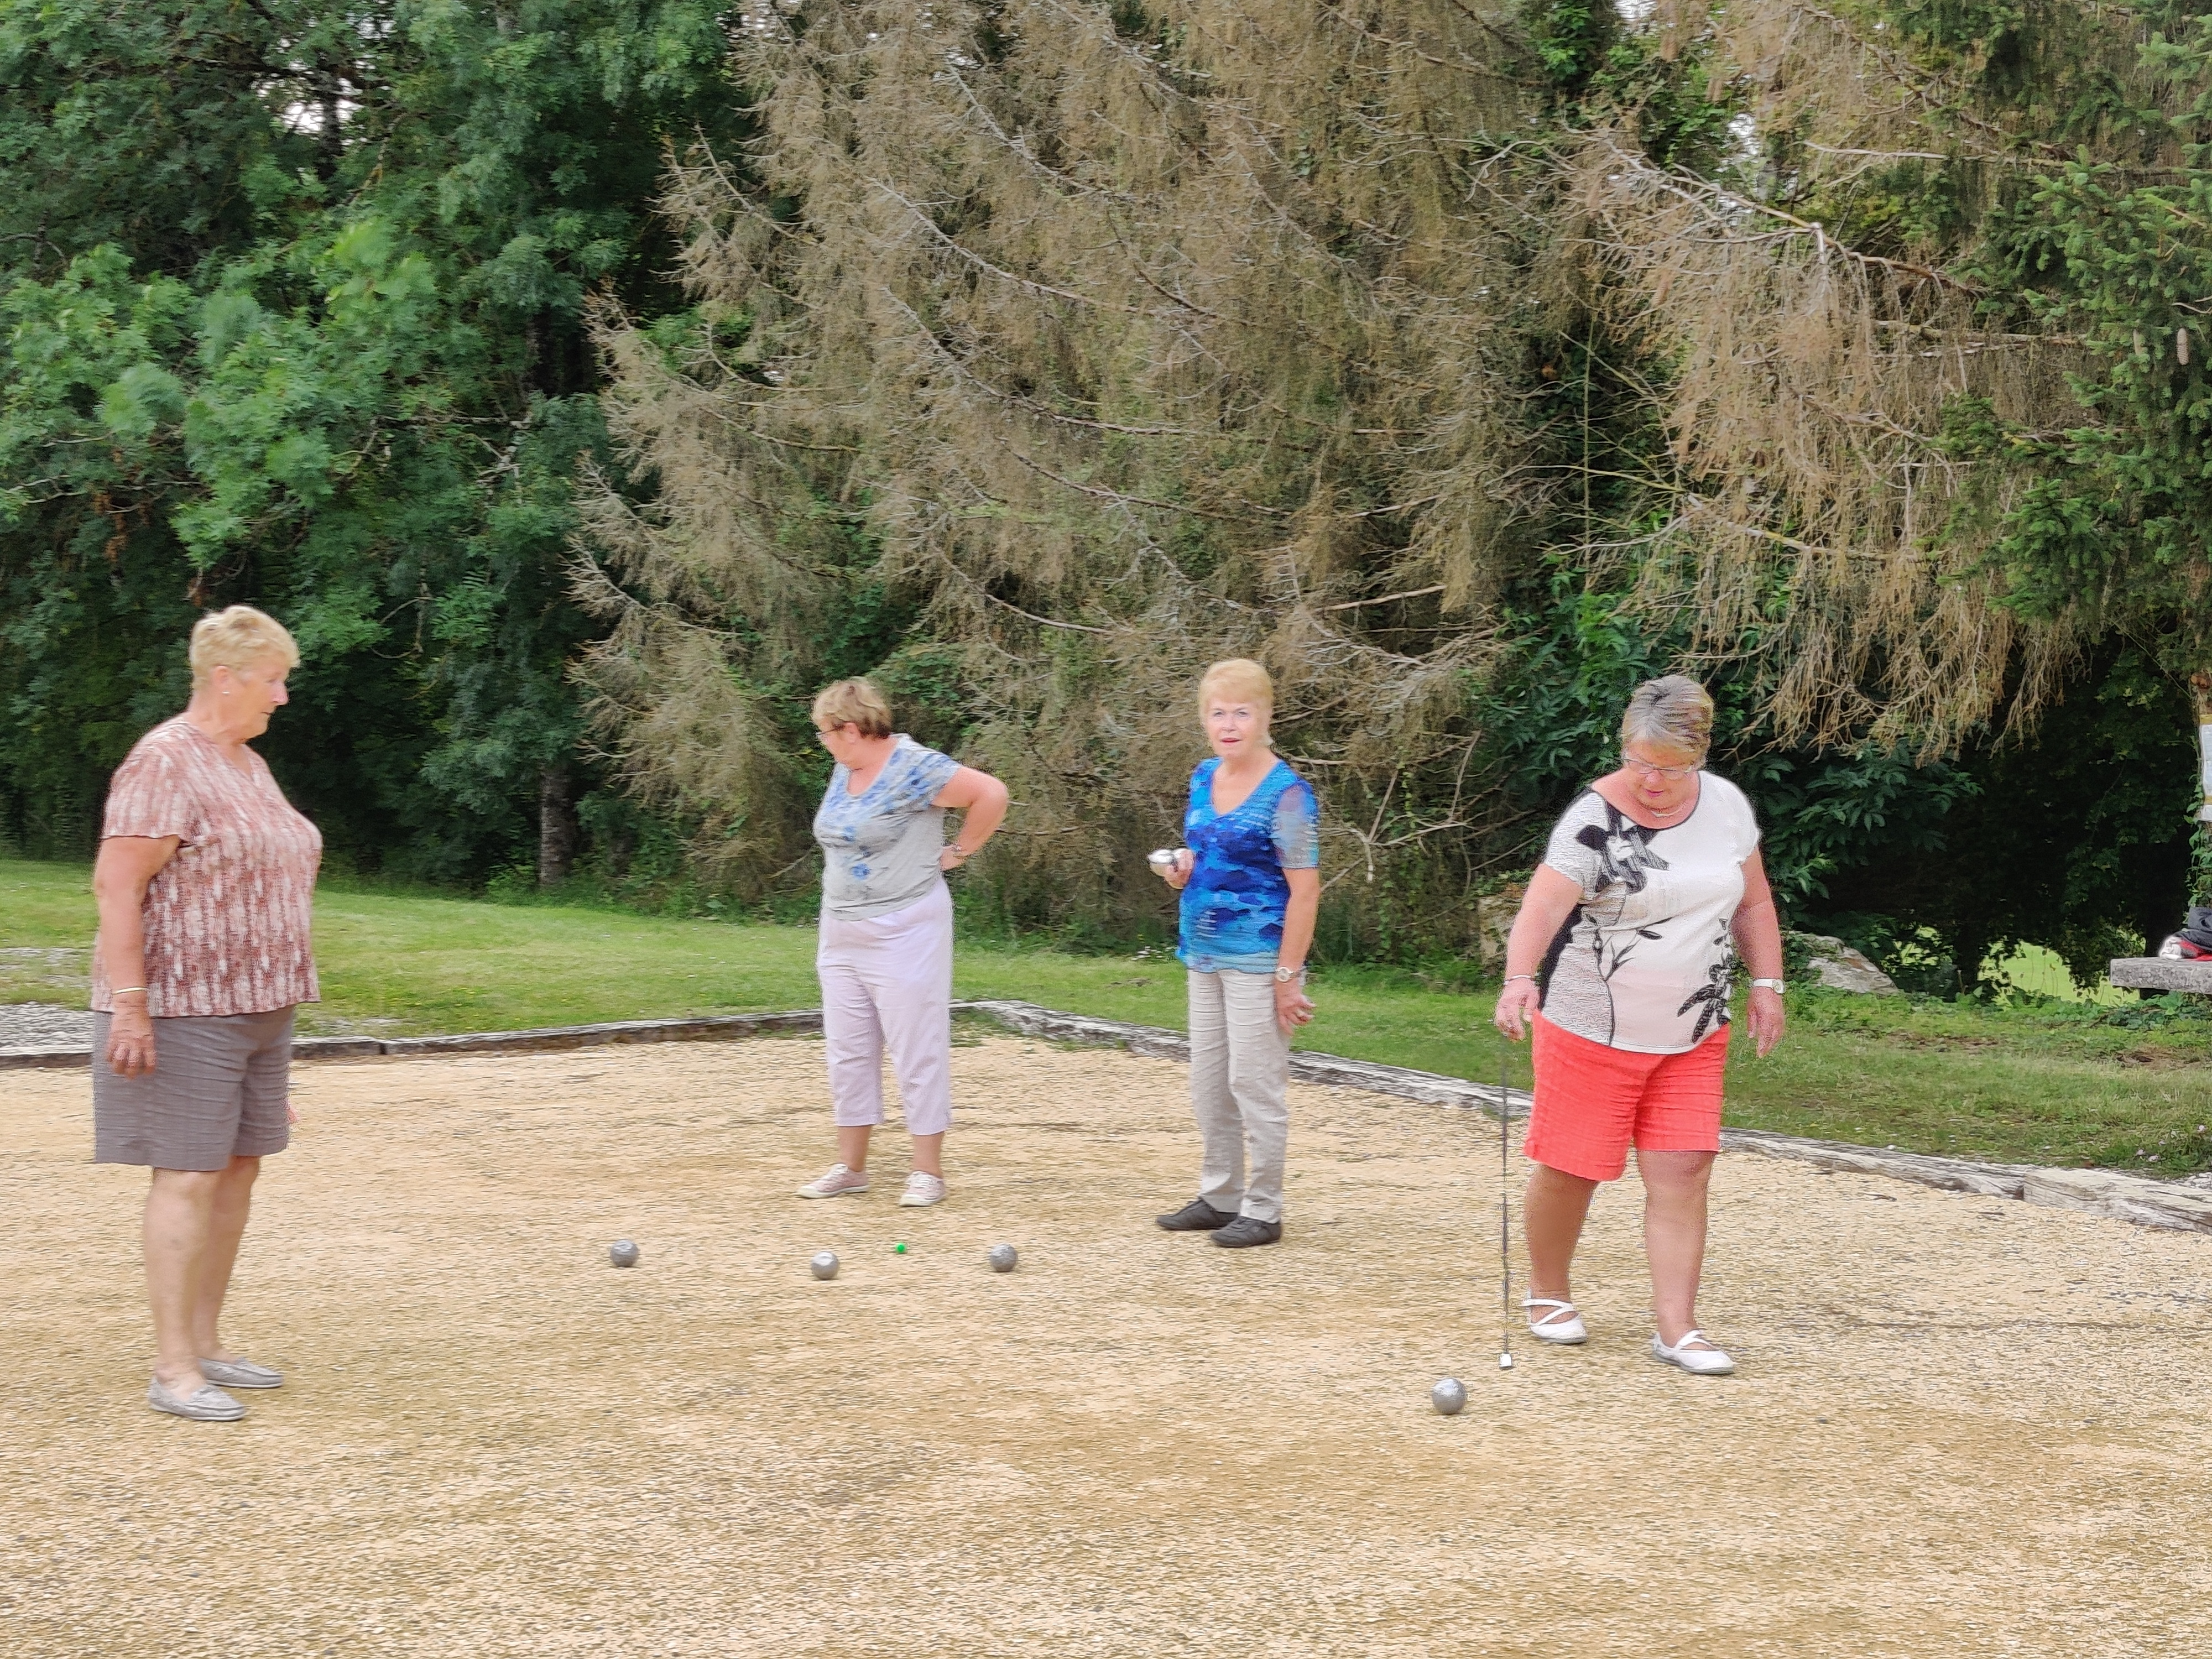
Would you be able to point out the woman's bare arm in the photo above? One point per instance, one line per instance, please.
(1299, 916)
(1757, 929)
(1545, 907)
(120, 876)
(1293, 1007)
(983, 799)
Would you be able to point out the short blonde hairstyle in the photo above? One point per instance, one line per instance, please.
(1674, 713)
(853, 703)
(1236, 679)
(238, 637)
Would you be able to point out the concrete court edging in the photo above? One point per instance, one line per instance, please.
(2121, 1197)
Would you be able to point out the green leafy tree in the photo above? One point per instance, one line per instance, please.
(2115, 526)
(295, 300)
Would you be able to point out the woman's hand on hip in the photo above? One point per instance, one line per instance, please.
(1767, 1019)
(1178, 874)
(131, 1041)
(1293, 1007)
(1516, 1006)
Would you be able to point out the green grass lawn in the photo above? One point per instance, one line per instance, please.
(2126, 1086)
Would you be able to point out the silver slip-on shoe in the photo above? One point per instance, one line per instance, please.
(207, 1403)
(241, 1374)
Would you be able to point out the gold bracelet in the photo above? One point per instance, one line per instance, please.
(127, 990)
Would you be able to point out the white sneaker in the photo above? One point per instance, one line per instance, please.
(839, 1180)
(922, 1189)
(1695, 1355)
(1562, 1325)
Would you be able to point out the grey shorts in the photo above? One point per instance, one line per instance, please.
(217, 1091)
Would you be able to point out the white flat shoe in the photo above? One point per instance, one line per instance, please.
(1562, 1325)
(1695, 1355)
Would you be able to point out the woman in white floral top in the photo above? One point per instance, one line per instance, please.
(205, 884)
(1621, 964)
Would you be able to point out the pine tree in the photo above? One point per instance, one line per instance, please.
(1108, 340)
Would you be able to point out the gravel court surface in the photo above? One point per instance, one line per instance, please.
(1963, 1426)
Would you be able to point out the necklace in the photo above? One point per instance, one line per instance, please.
(1670, 812)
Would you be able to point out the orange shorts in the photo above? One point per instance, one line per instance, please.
(1592, 1101)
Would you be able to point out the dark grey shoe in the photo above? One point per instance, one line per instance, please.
(1196, 1217)
(1248, 1230)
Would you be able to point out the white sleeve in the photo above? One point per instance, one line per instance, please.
(1750, 821)
(1573, 851)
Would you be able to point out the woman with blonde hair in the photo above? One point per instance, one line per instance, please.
(884, 956)
(205, 888)
(1619, 963)
(1250, 881)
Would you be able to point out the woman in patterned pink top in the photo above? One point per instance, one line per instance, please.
(205, 884)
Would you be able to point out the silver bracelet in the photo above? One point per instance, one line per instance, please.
(1509, 978)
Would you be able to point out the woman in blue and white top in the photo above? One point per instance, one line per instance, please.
(1250, 882)
(885, 953)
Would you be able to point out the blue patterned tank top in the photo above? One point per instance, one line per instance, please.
(1234, 904)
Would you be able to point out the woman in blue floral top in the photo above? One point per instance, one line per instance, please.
(1251, 883)
(885, 954)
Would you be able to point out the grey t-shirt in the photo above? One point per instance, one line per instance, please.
(879, 848)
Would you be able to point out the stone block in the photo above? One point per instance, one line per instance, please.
(2162, 973)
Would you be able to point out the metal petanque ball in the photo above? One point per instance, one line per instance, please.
(623, 1253)
(1003, 1257)
(824, 1266)
(1448, 1397)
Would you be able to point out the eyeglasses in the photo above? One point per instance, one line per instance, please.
(1672, 774)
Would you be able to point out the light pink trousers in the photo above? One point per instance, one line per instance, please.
(887, 982)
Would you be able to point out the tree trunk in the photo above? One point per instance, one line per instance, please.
(556, 827)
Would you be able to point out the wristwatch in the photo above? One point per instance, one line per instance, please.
(1284, 975)
(1776, 985)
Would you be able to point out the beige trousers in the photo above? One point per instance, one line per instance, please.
(1240, 1069)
